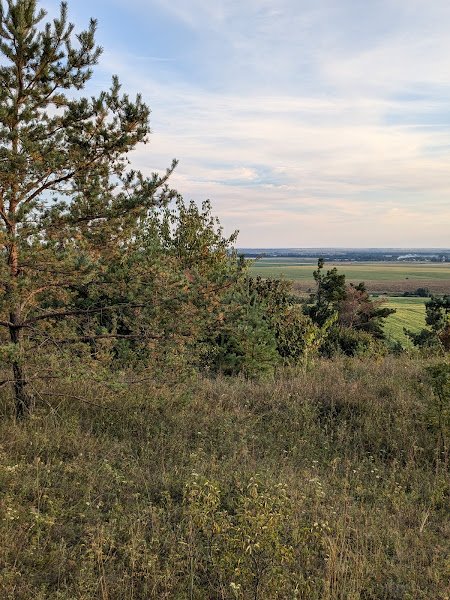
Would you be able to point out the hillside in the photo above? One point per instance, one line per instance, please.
(178, 422)
(319, 484)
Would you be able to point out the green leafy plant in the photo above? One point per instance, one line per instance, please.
(248, 536)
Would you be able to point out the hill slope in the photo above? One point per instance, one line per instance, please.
(319, 485)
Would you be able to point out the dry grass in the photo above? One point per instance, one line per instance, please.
(153, 495)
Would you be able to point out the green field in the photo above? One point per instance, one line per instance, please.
(380, 277)
(410, 314)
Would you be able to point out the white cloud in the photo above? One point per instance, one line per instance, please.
(307, 123)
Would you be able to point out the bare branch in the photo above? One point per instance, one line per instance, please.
(31, 295)
(104, 336)
(72, 397)
(79, 312)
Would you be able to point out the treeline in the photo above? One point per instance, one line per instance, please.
(349, 255)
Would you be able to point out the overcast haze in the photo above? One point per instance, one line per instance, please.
(307, 123)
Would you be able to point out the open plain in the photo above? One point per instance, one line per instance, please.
(382, 277)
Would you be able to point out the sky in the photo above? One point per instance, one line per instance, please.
(307, 123)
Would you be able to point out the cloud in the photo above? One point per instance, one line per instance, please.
(314, 123)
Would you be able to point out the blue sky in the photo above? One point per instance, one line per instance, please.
(307, 123)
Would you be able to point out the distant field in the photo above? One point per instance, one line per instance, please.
(410, 314)
(379, 277)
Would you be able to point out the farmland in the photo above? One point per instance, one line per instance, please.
(388, 278)
(410, 314)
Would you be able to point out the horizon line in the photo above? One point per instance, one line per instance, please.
(427, 248)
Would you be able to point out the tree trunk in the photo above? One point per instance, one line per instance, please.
(23, 401)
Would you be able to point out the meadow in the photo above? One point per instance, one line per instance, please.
(324, 483)
(382, 277)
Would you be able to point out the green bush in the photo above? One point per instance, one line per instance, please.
(250, 543)
(346, 341)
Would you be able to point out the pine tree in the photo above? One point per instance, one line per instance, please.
(66, 191)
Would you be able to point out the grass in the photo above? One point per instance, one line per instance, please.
(410, 315)
(379, 277)
(322, 484)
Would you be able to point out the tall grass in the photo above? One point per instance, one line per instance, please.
(319, 484)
